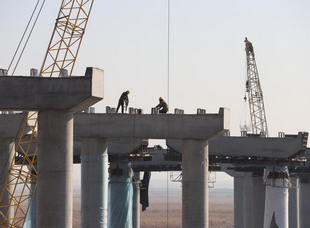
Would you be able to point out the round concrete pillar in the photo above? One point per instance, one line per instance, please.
(248, 199)
(239, 201)
(304, 201)
(195, 183)
(7, 151)
(276, 199)
(55, 167)
(94, 183)
(136, 201)
(259, 190)
(293, 203)
(120, 195)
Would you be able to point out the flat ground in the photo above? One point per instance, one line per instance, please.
(221, 209)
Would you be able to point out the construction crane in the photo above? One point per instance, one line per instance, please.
(255, 93)
(61, 54)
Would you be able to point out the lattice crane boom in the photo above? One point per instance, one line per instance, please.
(61, 54)
(255, 93)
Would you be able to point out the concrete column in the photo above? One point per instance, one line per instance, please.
(259, 190)
(276, 199)
(304, 202)
(136, 208)
(7, 151)
(293, 203)
(94, 183)
(239, 201)
(55, 167)
(120, 195)
(195, 183)
(248, 199)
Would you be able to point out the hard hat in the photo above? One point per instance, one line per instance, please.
(160, 98)
(127, 92)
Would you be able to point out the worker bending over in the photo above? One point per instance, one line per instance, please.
(162, 106)
(123, 99)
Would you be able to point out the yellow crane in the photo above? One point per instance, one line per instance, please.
(61, 54)
(255, 93)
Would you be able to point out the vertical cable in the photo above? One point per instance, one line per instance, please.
(28, 37)
(23, 35)
(168, 67)
(167, 199)
(168, 74)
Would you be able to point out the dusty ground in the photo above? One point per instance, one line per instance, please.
(220, 209)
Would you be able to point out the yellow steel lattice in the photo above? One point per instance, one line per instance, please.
(61, 54)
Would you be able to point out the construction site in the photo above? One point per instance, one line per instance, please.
(49, 120)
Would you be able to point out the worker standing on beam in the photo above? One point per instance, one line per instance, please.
(123, 99)
(162, 106)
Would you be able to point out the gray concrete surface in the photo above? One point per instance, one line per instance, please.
(94, 183)
(248, 200)
(258, 209)
(42, 93)
(304, 202)
(136, 207)
(239, 202)
(55, 168)
(271, 147)
(7, 151)
(293, 202)
(11, 124)
(162, 126)
(195, 206)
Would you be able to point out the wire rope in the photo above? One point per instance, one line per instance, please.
(28, 37)
(23, 35)
(168, 55)
(168, 98)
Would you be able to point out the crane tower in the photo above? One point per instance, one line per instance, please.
(61, 54)
(255, 93)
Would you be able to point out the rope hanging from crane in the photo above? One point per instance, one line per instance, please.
(21, 40)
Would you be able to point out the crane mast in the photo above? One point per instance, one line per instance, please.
(255, 93)
(61, 54)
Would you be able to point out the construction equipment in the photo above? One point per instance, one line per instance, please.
(255, 93)
(61, 54)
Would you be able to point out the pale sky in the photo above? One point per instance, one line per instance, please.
(128, 40)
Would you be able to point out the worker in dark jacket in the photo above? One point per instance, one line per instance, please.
(162, 106)
(123, 99)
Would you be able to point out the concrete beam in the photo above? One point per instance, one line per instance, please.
(152, 126)
(271, 147)
(11, 124)
(42, 93)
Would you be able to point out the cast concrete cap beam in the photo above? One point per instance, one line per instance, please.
(11, 124)
(271, 147)
(48, 93)
(160, 126)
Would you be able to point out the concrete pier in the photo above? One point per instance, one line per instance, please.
(136, 208)
(248, 199)
(195, 206)
(239, 201)
(294, 203)
(276, 199)
(94, 183)
(120, 195)
(9, 127)
(259, 190)
(304, 202)
(7, 151)
(55, 167)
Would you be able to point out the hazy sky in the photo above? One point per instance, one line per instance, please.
(128, 40)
